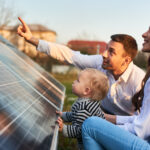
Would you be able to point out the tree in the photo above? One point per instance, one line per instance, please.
(8, 14)
(141, 60)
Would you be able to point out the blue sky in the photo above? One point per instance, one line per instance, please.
(87, 19)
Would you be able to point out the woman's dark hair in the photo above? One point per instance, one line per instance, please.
(138, 97)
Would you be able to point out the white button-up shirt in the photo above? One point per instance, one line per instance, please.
(118, 100)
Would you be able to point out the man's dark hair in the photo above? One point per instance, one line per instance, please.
(128, 42)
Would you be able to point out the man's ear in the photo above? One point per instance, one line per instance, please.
(128, 59)
(87, 91)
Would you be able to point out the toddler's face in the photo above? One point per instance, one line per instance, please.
(79, 86)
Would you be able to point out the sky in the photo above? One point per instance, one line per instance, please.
(87, 19)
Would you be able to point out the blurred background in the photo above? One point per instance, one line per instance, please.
(83, 25)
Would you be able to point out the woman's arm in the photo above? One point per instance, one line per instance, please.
(110, 118)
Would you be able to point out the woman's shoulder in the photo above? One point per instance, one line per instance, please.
(148, 82)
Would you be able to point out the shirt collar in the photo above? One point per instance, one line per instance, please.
(125, 75)
(127, 72)
(83, 99)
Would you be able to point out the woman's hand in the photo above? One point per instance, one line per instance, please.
(110, 118)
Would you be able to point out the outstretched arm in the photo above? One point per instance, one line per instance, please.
(58, 51)
(24, 31)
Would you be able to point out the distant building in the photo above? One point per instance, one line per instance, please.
(64, 69)
(38, 31)
(88, 47)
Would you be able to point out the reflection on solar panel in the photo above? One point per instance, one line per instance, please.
(29, 97)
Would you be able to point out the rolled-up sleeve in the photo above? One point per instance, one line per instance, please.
(124, 119)
(57, 51)
(86, 61)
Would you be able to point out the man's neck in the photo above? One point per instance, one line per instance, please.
(118, 73)
(116, 76)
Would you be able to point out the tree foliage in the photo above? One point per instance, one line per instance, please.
(8, 14)
(141, 60)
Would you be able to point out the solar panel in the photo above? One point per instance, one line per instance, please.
(29, 97)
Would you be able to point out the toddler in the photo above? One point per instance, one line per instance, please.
(91, 87)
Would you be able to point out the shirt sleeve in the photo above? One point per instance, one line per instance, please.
(124, 119)
(72, 131)
(139, 125)
(67, 116)
(65, 54)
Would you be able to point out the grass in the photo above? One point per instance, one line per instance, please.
(63, 142)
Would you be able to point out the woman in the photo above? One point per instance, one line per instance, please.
(130, 132)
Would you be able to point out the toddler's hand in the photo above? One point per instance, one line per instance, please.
(61, 124)
(59, 113)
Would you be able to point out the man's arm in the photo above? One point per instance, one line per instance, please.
(60, 52)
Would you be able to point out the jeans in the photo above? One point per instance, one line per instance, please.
(99, 134)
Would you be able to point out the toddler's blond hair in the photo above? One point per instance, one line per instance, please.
(99, 83)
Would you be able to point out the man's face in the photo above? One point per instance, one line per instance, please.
(113, 56)
(146, 44)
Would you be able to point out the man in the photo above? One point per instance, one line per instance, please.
(116, 62)
(130, 132)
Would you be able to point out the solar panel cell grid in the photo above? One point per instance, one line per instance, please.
(29, 98)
